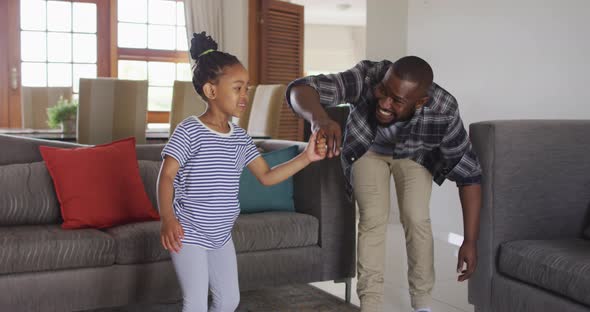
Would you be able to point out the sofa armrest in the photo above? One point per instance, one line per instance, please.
(536, 185)
(319, 190)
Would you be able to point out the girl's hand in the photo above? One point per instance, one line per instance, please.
(170, 234)
(316, 148)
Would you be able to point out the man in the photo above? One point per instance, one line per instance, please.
(403, 124)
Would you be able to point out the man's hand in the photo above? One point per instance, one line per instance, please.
(330, 130)
(467, 260)
(316, 148)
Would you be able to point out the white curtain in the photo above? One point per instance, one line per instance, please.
(204, 15)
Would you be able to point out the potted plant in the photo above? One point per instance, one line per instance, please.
(63, 114)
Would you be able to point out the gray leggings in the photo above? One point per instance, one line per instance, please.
(199, 270)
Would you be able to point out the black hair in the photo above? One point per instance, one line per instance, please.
(415, 69)
(209, 63)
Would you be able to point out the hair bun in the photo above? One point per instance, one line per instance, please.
(201, 43)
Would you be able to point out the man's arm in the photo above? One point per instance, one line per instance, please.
(267, 176)
(330, 89)
(462, 166)
(470, 196)
(305, 101)
(307, 96)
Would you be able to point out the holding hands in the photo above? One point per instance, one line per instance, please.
(331, 132)
(316, 148)
(171, 232)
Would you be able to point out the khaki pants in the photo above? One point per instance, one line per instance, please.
(371, 176)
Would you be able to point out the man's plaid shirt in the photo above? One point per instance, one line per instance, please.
(434, 137)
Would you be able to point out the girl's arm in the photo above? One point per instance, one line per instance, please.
(315, 150)
(171, 232)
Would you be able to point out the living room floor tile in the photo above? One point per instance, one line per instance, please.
(448, 295)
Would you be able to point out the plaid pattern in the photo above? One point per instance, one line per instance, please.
(435, 137)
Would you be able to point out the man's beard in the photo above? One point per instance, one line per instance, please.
(408, 117)
(387, 124)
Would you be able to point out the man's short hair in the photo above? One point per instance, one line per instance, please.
(415, 69)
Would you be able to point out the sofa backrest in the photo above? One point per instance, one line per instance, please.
(20, 150)
(536, 178)
(27, 195)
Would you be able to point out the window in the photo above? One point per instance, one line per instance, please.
(58, 41)
(152, 45)
(160, 76)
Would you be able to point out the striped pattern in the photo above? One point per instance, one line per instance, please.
(185, 102)
(207, 183)
(111, 109)
(281, 48)
(434, 137)
(561, 266)
(138, 242)
(48, 247)
(275, 230)
(27, 196)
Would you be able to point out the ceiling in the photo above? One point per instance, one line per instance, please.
(334, 12)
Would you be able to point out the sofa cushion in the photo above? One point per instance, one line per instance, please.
(48, 247)
(138, 243)
(273, 230)
(98, 186)
(561, 266)
(255, 197)
(27, 196)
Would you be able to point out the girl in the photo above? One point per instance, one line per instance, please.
(199, 180)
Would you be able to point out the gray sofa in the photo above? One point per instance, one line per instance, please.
(45, 268)
(536, 202)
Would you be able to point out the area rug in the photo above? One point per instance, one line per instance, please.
(292, 298)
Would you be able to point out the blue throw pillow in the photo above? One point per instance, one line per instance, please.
(255, 197)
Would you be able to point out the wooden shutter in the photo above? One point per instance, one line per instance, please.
(10, 110)
(281, 56)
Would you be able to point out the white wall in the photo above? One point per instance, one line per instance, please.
(501, 59)
(333, 48)
(235, 29)
(386, 29)
(507, 59)
(504, 59)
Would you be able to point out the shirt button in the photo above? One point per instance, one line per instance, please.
(352, 158)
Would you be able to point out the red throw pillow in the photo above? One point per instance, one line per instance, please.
(98, 186)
